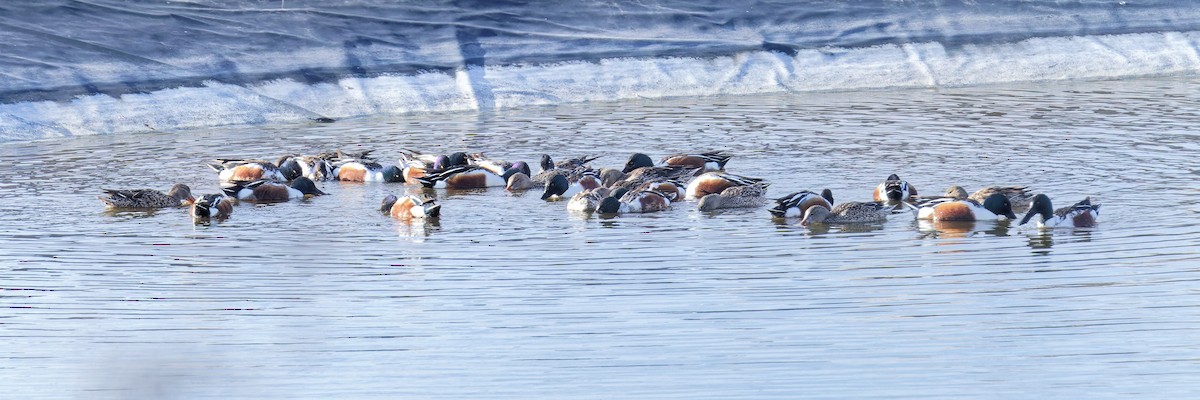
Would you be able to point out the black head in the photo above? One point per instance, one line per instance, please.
(388, 202)
(523, 167)
(556, 187)
(306, 186)
(619, 192)
(828, 195)
(610, 205)
(441, 162)
(290, 168)
(393, 173)
(893, 177)
(546, 163)
(637, 160)
(457, 158)
(1041, 205)
(998, 204)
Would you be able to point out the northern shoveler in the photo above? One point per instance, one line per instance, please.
(635, 201)
(246, 170)
(610, 176)
(464, 177)
(519, 181)
(947, 209)
(674, 190)
(179, 195)
(572, 168)
(211, 206)
(1083, 214)
(367, 171)
(796, 204)
(716, 182)
(851, 212)
(894, 189)
(708, 161)
(642, 175)
(410, 207)
(268, 191)
(571, 163)
(559, 187)
(752, 195)
(317, 168)
(589, 200)
(1019, 196)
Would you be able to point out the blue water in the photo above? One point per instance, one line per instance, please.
(77, 68)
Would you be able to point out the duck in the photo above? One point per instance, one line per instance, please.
(851, 212)
(1019, 196)
(894, 189)
(465, 177)
(367, 171)
(570, 163)
(715, 182)
(269, 191)
(229, 170)
(572, 167)
(643, 175)
(560, 188)
(317, 168)
(178, 196)
(589, 200)
(210, 207)
(796, 204)
(635, 201)
(1083, 214)
(674, 190)
(752, 195)
(994, 207)
(410, 207)
(707, 161)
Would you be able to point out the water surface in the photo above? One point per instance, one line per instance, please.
(507, 296)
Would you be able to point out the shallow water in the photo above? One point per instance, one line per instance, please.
(511, 297)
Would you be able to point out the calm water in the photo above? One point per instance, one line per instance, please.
(511, 297)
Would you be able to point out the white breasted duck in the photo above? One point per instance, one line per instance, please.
(635, 201)
(268, 191)
(247, 170)
(560, 187)
(466, 177)
(367, 171)
(994, 207)
(410, 207)
(210, 207)
(317, 168)
(179, 195)
(796, 204)
(589, 200)
(716, 182)
(894, 189)
(1083, 214)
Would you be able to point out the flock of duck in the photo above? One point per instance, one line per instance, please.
(641, 186)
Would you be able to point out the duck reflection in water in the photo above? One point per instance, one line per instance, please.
(961, 229)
